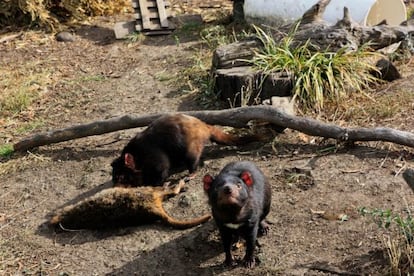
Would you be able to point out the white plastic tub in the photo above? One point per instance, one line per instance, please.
(365, 12)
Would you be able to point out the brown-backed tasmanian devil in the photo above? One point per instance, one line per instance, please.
(240, 198)
(169, 143)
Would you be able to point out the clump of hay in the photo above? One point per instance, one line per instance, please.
(49, 13)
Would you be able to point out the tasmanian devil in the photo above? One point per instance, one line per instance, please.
(120, 206)
(169, 143)
(240, 197)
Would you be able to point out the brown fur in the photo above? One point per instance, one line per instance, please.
(119, 206)
(169, 143)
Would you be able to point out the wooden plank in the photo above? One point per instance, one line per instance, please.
(162, 13)
(144, 13)
(154, 4)
(151, 3)
(151, 14)
(154, 24)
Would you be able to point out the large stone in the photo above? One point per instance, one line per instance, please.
(124, 28)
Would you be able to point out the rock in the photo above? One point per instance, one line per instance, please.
(286, 104)
(388, 71)
(124, 28)
(408, 176)
(65, 37)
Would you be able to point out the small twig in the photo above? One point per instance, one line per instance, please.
(383, 161)
(399, 171)
(10, 37)
(350, 171)
(69, 230)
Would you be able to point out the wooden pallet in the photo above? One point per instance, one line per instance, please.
(152, 16)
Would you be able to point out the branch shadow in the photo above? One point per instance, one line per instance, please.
(76, 154)
(96, 34)
(371, 263)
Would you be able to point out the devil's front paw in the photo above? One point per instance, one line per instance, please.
(249, 262)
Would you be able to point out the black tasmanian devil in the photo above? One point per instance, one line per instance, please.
(240, 198)
(169, 143)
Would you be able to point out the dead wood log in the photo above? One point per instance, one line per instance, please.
(236, 117)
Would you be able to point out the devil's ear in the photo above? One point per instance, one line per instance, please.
(247, 178)
(129, 161)
(207, 180)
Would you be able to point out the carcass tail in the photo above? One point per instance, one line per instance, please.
(184, 224)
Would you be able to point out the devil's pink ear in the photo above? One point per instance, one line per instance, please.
(129, 161)
(207, 180)
(247, 178)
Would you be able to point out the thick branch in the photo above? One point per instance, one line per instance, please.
(314, 13)
(236, 117)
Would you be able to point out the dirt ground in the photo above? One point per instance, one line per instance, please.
(99, 77)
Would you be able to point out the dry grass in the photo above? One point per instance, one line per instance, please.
(19, 164)
(400, 254)
(24, 83)
(21, 85)
(49, 13)
(371, 108)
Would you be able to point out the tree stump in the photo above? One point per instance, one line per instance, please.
(242, 85)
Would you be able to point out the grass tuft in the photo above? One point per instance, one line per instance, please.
(399, 246)
(21, 87)
(318, 75)
(6, 150)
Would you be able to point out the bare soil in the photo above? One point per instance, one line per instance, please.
(99, 77)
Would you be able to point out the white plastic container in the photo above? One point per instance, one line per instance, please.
(365, 12)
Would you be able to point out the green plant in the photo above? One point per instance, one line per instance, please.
(400, 248)
(318, 75)
(17, 102)
(6, 150)
(217, 35)
(135, 37)
(190, 28)
(385, 219)
(21, 86)
(29, 126)
(197, 78)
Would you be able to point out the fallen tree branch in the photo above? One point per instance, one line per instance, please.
(236, 117)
